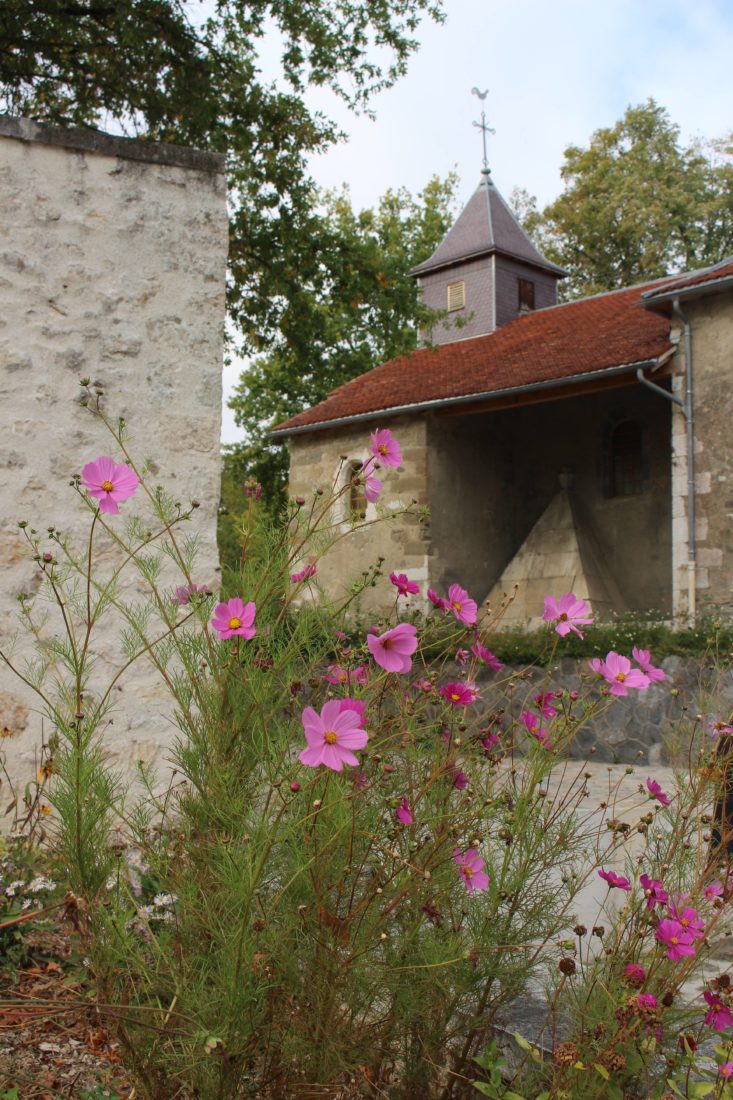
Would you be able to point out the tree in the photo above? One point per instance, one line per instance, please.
(147, 68)
(636, 205)
(359, 306)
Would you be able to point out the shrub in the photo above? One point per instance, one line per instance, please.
(352, 871)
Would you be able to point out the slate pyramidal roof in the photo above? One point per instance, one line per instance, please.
(485, 225)
(574, 343)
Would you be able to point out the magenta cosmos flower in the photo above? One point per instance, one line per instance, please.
(307, 571)
(109, 482)
(235, 618)
(437, 601)
(470, 869)
(614, 880)
(531, 723)
(654, 890)
(718, 1015)
(713, 890)
(635, 975)
(718, 726)
(385, 448)
(656, 792)
(726, 1070)
(643, 659)
(486, 656)
(393, 650)
(568, 612)
(674, 937)
(403, 812)
(461, 604)
(332, 736)
(617, 671)
(404, 586)
(458, 694)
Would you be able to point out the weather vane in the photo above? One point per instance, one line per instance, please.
(482, 125)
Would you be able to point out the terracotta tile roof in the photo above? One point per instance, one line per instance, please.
(483, 227)
(718, 272)
(590, 335)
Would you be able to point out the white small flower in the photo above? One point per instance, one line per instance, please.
(165, 901)
(41, 883)
(13, 888)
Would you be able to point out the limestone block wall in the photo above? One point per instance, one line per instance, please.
(112, 266)
(315, 462)
(711, 319)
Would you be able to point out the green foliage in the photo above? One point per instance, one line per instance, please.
(710, 637)
(264, 928)
(636, 205)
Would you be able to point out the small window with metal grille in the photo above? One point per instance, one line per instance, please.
(525, 288)
(626, 472)
(456, 296)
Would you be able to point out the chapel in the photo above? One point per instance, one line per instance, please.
(582, 446)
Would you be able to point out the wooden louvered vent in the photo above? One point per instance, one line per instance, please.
(456, 296)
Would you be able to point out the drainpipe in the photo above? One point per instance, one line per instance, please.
(687, 406)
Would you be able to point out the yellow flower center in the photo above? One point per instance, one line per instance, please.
(621, 676)
(455, 697)
(382, 448)
(674, 940)
(456, 606)
(343, 678)
(235, 623)
(107, 486)
(330, 737)
(387, 643)
(468, 871)
(563, 617)
(684, 922)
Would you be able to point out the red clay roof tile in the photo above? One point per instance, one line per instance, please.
(580, 337)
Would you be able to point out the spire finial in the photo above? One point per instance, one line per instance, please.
(483, 127)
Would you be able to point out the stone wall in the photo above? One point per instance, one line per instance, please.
(646, 727)
(712, 357)
(316, 462)
(112, 266)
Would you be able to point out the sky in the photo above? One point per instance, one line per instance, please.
(555, 70)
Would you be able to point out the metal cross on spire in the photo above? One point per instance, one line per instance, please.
(483, 125)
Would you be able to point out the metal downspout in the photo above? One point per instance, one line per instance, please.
(687, 407)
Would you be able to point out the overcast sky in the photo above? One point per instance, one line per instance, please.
(556, 71)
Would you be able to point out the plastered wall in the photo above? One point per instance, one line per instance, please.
(112, 266)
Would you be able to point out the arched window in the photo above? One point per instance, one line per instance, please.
(625, 466)
(357, 497)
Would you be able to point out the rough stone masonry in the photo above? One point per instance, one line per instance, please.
(112, 266)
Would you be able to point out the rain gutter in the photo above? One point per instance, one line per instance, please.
(470, 399)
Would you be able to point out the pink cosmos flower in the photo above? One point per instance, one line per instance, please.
(403, 812)
(404, 586)
(687, 918)
(185, 592)
(544, 704)
(372, 484)
(617, 671)
(596, 665)
(462, 656)
(437, 601)
(109, 482)
(386, 448)
(531, 722)
(332, 735)
(677, 941)
(713, 890)
(654, 890)
(489, 741)
(235, 618)
(643, 659)
(460, 603)
(646, 1000)
(307, 571)
(358, 706)
(393, 650)
(726, 1070)
(470, 867)
(656, 792)
(457, 694)
(718, 726)
(718, 1015)
(487, 657)
(460, 779)
(568, 611)
(335, 674)
(423, 685)
(614, 880)
(635, 975)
